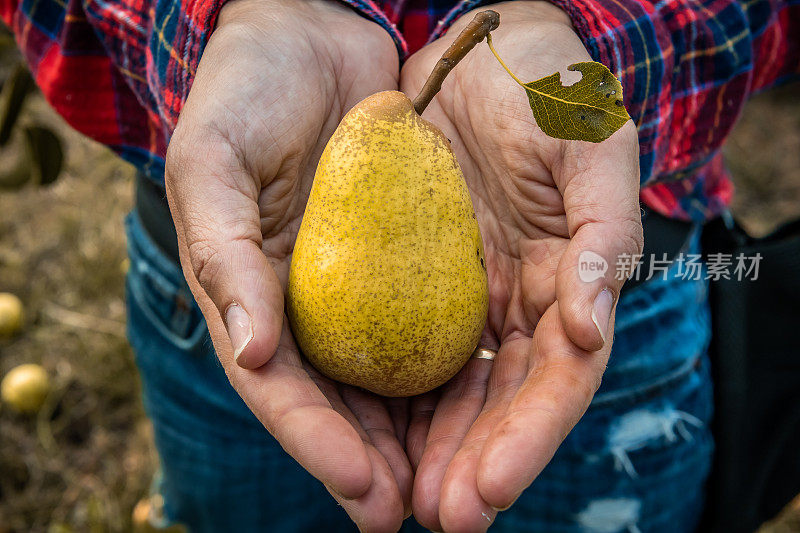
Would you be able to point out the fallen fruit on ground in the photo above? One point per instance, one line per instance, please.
(10, 314)
(140, 518)
(25, 388)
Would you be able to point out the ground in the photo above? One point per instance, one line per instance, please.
(763, 154)
(88, 457)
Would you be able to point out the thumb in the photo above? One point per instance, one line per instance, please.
(214, 205)
(601, 200)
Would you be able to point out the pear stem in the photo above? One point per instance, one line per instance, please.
(496, 55)
(475, 32)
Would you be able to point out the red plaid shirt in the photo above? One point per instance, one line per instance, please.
(120, 70)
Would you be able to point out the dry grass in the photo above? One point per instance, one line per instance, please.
(763, 154)
(88, 457)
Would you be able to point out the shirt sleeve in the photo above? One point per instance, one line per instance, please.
(116, 70)
(120, 70)
(688, 67)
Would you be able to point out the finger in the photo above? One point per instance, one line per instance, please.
(373, 417)
(293, 409)
(421, 413)
(398, 411)
(303, 420)
(460, 483)
(379, 509)
(601, 199)
(462, 507)
(219, 236)
(422, 407)
(280, 393)
(556, 393)
(540, 258)
(461, 401)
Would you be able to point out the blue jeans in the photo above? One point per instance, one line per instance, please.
(637, 460)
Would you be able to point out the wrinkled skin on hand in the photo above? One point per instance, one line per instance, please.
(484, 437)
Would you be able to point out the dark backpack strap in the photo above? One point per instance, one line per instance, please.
(755, 357)
(153, 210)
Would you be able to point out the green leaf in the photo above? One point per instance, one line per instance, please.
(589, 110)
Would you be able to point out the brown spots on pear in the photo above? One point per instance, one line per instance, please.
(387, 287)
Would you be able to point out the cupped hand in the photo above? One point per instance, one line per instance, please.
(541, 202)
(274, 81)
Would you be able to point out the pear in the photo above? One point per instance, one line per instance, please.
(388, 287)
(11, 314)
(25, 388)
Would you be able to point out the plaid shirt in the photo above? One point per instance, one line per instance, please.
(120, 70)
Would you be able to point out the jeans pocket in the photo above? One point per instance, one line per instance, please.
(636, 461)
(649, 418)
(159, 301)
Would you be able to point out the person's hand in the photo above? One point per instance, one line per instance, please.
(481, 440)
(274, 81)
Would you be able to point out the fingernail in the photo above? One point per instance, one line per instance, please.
(601, 312)
(240, 328)
(507, 507)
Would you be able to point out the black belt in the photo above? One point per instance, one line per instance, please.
(151, 205)
(664, 237)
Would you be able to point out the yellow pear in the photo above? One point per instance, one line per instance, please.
(10, 314)
(388, 288)
(25, 388)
